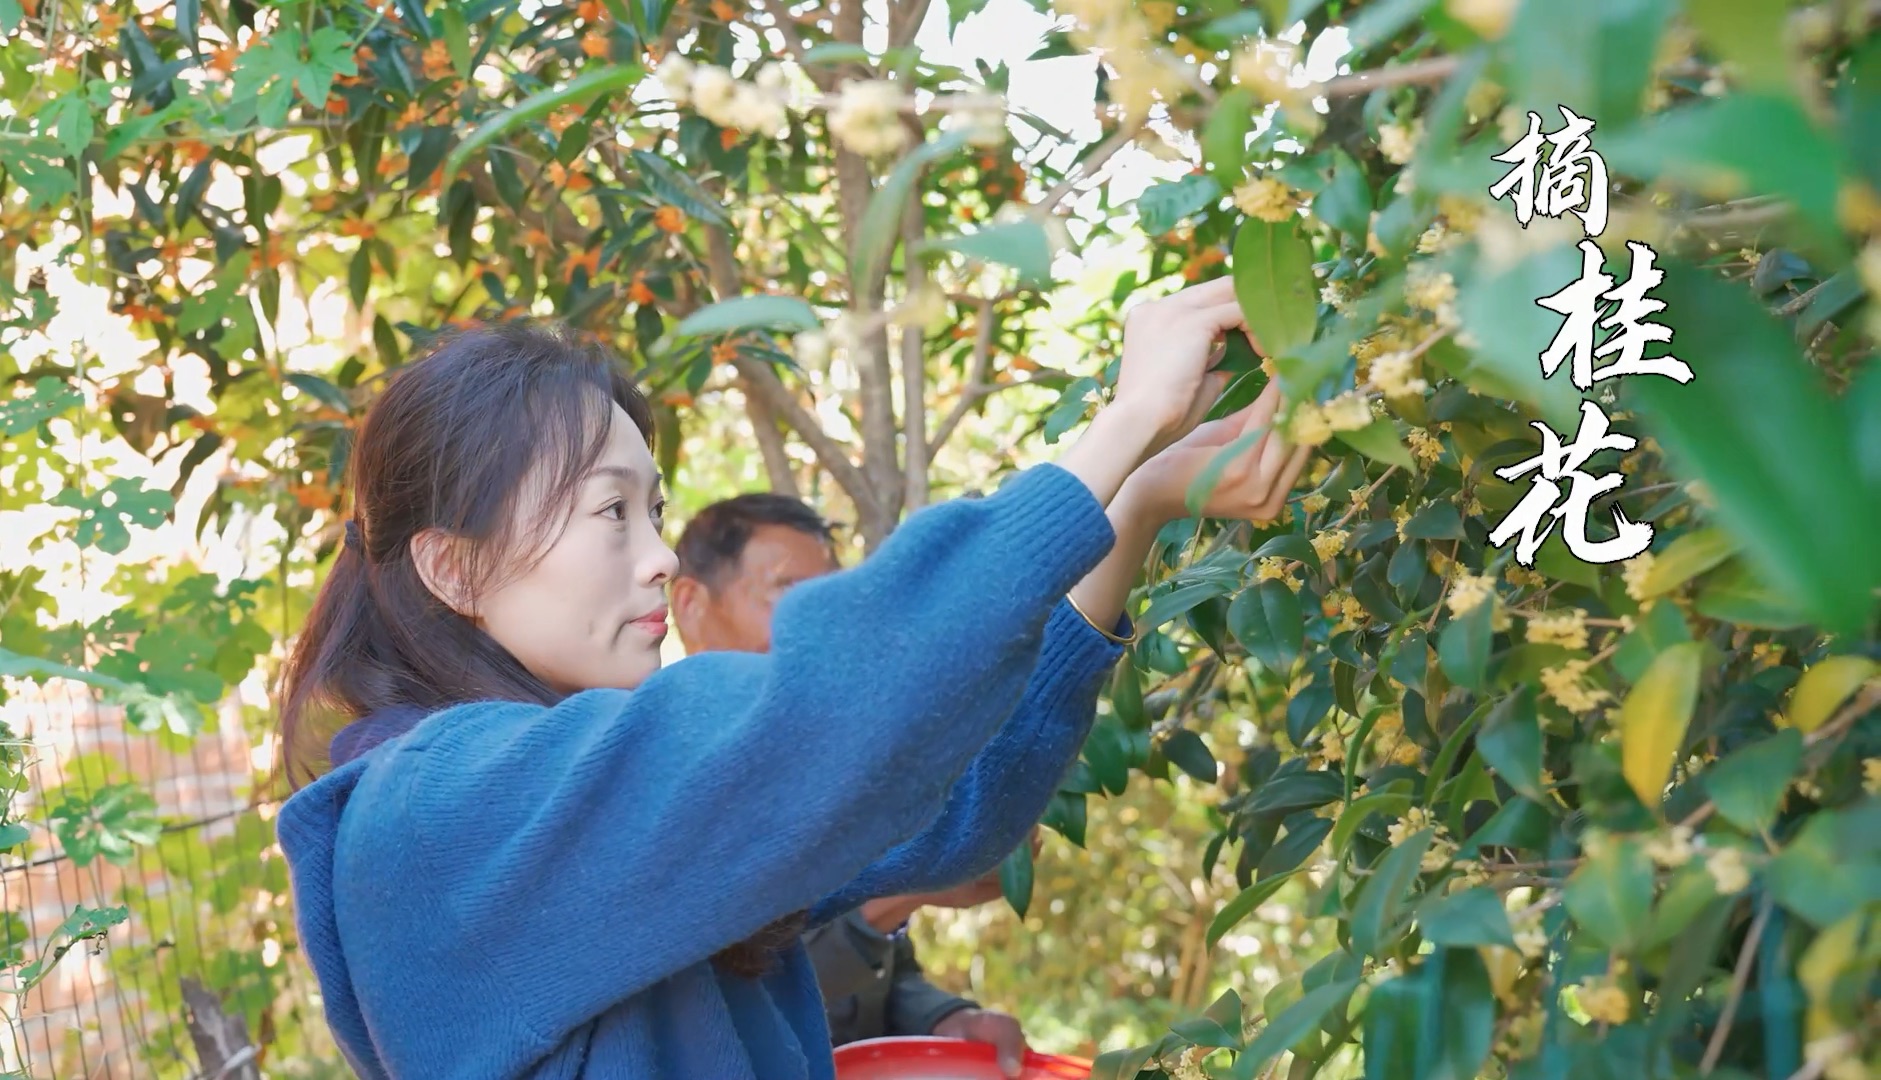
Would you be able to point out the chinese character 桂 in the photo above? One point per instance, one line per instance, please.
(1534, 517)
(1572, 178)
(1582, 301)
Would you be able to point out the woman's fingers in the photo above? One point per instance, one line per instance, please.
(1283, 486)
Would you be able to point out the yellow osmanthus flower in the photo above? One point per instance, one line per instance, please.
(1728, 870)
(1604, 1002)
(1398, 142)
(1633, 571)
(1516, 573)
(1437, 238)
(1395, 375)
(1871, 775)
(1566, 628)
(1469, 591)
(1314, 503)
(1869, 265)
(1858, 207)
(1273, 568)
(1424, 444)
(1672, 850)
(1489, 18)
(1400, 516)
(1462, 214)
(867, 117)
(1333, 295)
(1565, 684)
(1266, 68)
(1308, 426)
(1351, 613)
(1266, 198)
(1348, 412)
(1429, 290)
(1329, 543)
(1481, 101)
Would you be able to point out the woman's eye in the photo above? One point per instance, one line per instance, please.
(617, 510)
(659, 513)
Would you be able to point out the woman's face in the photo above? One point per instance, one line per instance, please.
(592, 612)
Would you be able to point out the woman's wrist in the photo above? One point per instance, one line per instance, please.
(1116, 441)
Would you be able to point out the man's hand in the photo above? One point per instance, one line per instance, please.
(985, 1026)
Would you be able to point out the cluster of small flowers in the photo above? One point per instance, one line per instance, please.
(1329, 542)
(1415, 820)
(1277, 568)
(1312, 423)
(1395, 375)
(1266, 198)
(1398, 142)
(1634, 572)
(1144, 73)
(1565, 684)
(1424, 444)
(867, 117)
(1469, 591)
(1314, 503)
(1566, 628)
(756, 106)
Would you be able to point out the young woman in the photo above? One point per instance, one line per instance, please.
(537, 855)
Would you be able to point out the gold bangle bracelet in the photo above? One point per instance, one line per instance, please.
(1113, 638)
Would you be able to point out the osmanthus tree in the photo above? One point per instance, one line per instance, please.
(1574, 810)
(847, 244)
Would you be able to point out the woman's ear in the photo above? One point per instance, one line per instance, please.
(439, 558)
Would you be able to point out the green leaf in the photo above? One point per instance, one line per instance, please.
(67, 120)
(1756, 392)
(881, 222)
(1267, 621)
(1346, 202)
(1832, 867)
(1122, 1064)
(320, 390)
(1594, 57)
(1015, 878)
(37, 166)
(676, 188)
(456, 38)
(1379, 441)
(1296, 1022)
(1510, 742)
(1749, 35)
(1376, 917)
(1748, 786)
(1174, 603)
(106, 515)
(1823, 688)
(1738, 593)
(1389, 803)
(1379, 22)
(1305, 833)
(83, 924)
(1219, 1025)
(579, 90)
(1437, 521)
(1463, 647)
(1273, 280)
(748, 313)
(1656, 631)
(1611, 893)
(1654, 717)
(1244, 904)
(1465, 1002)
(1164, 206)
(1224, 136)
(1686, 558)
(1021, 245)
(1498, 307)
(1471, 917)
(1069, 411)
(188, 15)
(11, 16)
(1186, 751)
(1748, 142)
(51, 397)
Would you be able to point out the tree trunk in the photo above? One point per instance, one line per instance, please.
(222, 1046)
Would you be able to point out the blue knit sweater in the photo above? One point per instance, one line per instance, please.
(512, 890)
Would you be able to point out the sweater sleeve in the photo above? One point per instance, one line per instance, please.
(731, 789)
(1011, 780)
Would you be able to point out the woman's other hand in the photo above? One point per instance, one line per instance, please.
(1253, 484)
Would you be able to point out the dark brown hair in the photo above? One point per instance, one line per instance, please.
(715, 539)
(448, 446)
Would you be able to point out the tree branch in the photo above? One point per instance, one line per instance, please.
(771, 445)
(1739, 980)
(976, 377)
(1087, 168)
(914, 445)
(762, 382)
(901, 31)
(1416, 73)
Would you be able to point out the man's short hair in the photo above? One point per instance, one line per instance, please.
(715, 539)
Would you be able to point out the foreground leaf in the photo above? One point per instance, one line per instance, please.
(1654, 718)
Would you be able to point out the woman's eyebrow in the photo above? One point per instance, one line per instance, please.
(624, 473)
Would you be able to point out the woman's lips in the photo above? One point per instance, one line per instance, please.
(653, 622)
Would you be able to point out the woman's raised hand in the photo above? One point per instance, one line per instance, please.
(1170, 349)
(1253, 484)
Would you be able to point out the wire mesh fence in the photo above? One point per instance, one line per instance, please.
(148, 930)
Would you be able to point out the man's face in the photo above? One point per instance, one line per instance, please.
(736, 615)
